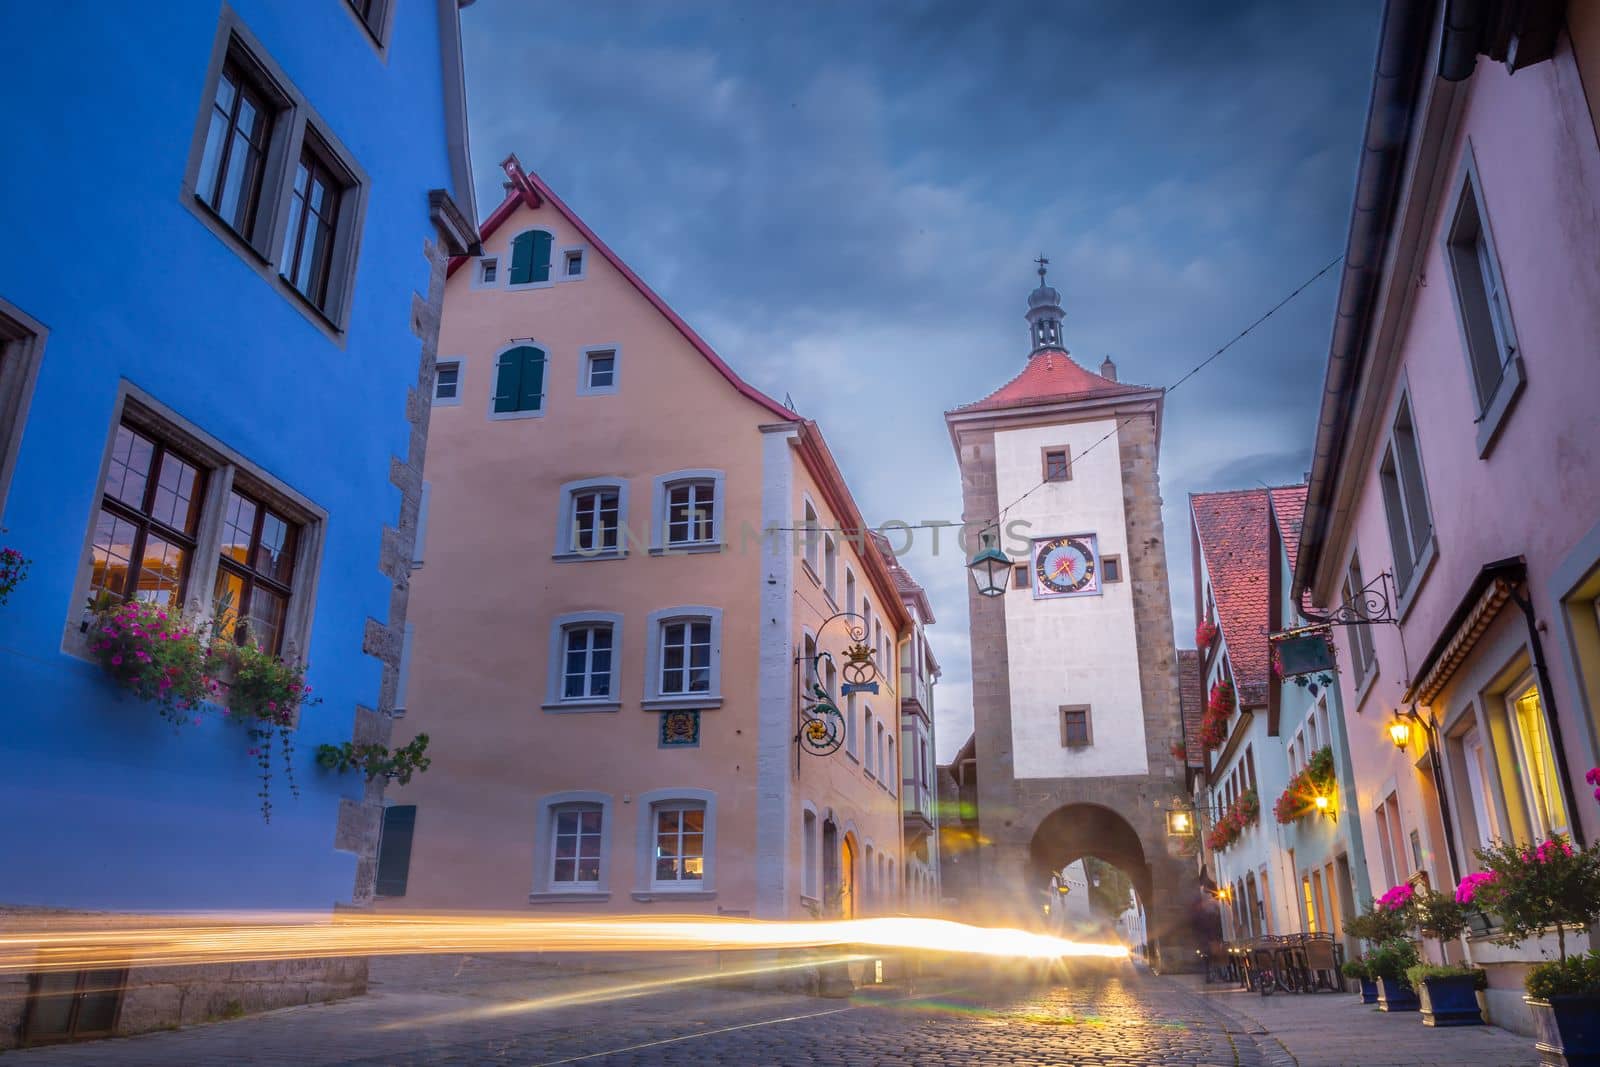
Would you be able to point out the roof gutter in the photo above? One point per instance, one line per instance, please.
(1401, 69)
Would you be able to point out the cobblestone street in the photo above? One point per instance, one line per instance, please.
(489, 1012)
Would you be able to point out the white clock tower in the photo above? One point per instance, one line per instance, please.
(1075, 692)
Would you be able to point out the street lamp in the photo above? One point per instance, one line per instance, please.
(1180, 823)
(1324, 805)
(1400, 729)
(990, 568)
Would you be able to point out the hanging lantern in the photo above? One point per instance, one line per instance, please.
(990, 569)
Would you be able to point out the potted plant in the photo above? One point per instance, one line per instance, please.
(1357, 971)
(151, 651)
(1204, 634)
(1389, 962)
(1536, 891)
(1447, 994)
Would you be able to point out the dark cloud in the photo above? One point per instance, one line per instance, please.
(844, 198)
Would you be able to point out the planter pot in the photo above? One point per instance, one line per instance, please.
(1395, 995)
(1567, 1029)
(1369, 992)
(1451, 1001)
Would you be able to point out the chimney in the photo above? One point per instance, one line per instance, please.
(1108, 370)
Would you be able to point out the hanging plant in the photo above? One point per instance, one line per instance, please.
(1221, 701)
(1315, 779)
(375, 760)
(1204, 634)
(1245, 811)
(1213, 729)
(13, 569)
(1180, 751)
(266, 694)
(151, 651)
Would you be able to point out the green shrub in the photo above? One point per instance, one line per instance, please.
(1415, 974)
(1575, 974)
(1357, 969)
(1391, 959)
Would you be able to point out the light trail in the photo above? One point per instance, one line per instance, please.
(96, 942)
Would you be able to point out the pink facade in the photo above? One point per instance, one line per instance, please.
(607, 652)
(1458, 473)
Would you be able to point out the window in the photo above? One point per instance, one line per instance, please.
(808, 853)
(878, 753)
(586, 668)
(1405, 500)
(1075, 732)
(813, 542)
(868, 763)
(1058, 464)
(830, 565)
(519, 382)
(374, 16)
(849, 590)
(447, 383)
(1111, 568)
(530, 258)
(488, 273)
(394, 849)
(685, 658)
(595, 523)
(1536, 762)
(572, 263)
(313, 221)
(599, 375)
(1361, 653)
(576, 841)
(1019, 576)
(256, 572)
(680, 840)
(21, 349)
(266, 173)
(1482, 309)
(687, 512)
(144, 538)
(1472, 755)
(890, 775)
(232, 170)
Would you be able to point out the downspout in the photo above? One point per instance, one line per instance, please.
(1463, 30)
(1552, 720)
(1402, 55)
(1442, 792)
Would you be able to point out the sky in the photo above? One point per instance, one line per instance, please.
(845, 200)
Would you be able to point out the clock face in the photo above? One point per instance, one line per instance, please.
(1066, 566)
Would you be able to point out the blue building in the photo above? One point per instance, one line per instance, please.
(227, 226)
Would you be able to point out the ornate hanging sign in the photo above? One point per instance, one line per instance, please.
(822, 725)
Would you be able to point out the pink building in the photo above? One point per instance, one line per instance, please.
(609, 653)
(1456, 480)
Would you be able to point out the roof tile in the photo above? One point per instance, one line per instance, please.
(1192, 701)
(1232, 530)
(1050, 376)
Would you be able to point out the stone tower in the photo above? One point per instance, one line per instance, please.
(1074, 675)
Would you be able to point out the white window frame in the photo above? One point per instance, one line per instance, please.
(1420, 553)
(504, 270)
(867, 762)
(810, 853)
(811, 524)
(1537, 820)
(849, 588)
(645, 885)
(585, 367)
(661, 489)
(567, 550)
(545, 888)
(460, 364)
(224, 470)
(654, 698)
(555, 698)
(478, 266)
(1479, 290)
(830, 569)
(560, 257)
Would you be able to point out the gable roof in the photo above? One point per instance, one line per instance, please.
(525, 188)
(1192, 702)
(1232, 530)
(1289, 511)
(1048, 377)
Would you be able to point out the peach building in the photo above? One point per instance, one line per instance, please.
(607, 650)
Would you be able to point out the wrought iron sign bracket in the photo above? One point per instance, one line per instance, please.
(822, 726)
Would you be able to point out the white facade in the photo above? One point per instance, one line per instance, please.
(1071, 650)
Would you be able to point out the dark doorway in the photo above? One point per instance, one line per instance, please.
(72, 1005)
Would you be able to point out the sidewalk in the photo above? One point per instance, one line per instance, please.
(1336, 1029)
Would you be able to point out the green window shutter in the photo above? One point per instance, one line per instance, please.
(541, 257)
(394, 849)
(508, 373)
(531, 397)
(522, 259)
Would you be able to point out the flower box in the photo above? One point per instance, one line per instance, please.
(1396, 995)
(1567, 1029)
(1450, 1001)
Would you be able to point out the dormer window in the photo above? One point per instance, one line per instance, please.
(488, 269)
(530, 258)
(573, 263)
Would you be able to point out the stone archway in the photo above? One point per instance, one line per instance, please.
(1077, 831)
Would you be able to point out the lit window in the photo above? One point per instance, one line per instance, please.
(256, 571)
(575, 848)
(1536, 762)
(144, 538)
(680, 850)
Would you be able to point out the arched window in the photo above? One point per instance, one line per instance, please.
(530, 258)
(519, 381)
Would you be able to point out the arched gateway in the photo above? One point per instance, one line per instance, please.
(1074, 670)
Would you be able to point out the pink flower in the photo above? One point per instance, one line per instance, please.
(1593, 777)
(1550, 848)
(116, 661)
(1468, 889)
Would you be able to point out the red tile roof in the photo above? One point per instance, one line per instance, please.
(1289, 507)
(1231, 527)
(1050, 376)
(1192, 702)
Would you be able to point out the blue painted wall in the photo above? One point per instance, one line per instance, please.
(102, 805)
